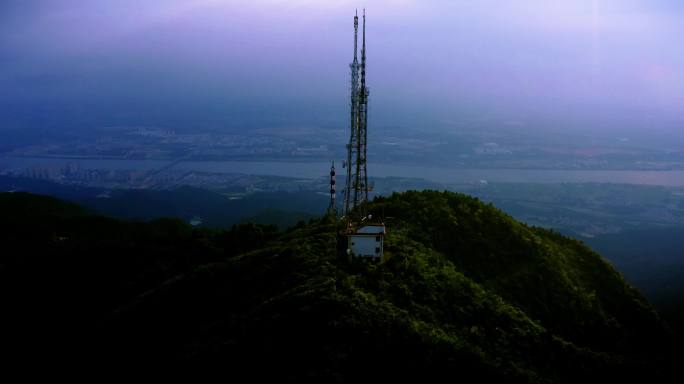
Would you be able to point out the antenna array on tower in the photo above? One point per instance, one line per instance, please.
(356, 189)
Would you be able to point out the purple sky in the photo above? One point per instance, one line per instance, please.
(432, 64)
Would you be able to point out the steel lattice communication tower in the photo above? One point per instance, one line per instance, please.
(356, 189)
(332, 207)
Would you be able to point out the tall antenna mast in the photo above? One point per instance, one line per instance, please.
(363, 119)
(356, 189)
(356, 33)
(354, 104)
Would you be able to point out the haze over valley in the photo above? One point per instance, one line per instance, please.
(186, 148)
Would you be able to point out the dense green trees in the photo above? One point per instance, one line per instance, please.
(467, 292)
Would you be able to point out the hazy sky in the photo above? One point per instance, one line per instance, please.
(574, 64)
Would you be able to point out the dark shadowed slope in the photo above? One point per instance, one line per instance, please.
(467, 292)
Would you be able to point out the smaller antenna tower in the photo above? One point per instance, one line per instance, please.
(332, 208)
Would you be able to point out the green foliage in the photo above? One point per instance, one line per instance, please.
(555, 280)
(466, 292)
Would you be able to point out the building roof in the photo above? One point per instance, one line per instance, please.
(356, 234)
(370, 229)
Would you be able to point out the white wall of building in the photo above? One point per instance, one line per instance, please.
(373, 228)
(366, 245)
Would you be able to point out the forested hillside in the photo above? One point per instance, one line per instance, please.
(466, 292)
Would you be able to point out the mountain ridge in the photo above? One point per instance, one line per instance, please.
(466, 290)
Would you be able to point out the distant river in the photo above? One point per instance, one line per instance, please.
(320, 169)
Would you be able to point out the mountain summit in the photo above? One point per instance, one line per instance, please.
(465, 291)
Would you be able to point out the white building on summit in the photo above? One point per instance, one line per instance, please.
(367, 241)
